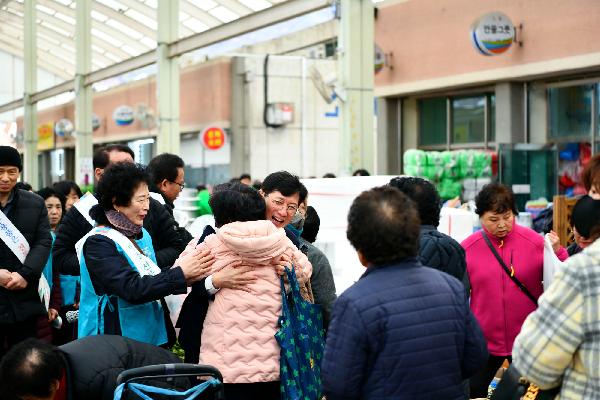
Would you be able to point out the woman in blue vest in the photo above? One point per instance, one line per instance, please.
(55, 205)
(122, 288)
(65, 329)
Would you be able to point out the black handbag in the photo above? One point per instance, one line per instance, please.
(513, 386)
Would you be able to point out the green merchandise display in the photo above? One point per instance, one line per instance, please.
(447, 169)
(449, 188)
(475, 164)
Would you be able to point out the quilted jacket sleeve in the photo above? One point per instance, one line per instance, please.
(342, 369)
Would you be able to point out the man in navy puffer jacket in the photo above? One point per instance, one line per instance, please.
(436, 249)
(403, 331)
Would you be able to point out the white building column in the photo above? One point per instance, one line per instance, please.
(30, 109)
(84, 173)
(167, 80)
(356, 63)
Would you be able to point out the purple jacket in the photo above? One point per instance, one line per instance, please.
(498, 304)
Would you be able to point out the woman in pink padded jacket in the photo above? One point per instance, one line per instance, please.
(238, 333)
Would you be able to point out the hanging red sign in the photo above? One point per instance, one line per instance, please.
(213, 138)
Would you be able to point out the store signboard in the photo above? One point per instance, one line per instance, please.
(492, 34)
(213, 138)
(45, 136)
(123, 115)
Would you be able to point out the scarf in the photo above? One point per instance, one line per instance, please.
(122, 224)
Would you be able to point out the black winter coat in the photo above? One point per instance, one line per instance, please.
(158, 222)
(28, 214)
(184, 235)
(438, 250)
(93, 363)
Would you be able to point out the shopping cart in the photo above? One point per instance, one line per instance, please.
(170, 381)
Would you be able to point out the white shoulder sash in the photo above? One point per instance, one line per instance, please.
(14, 239)
(142, 263)
(158, 197)
(85, 203)
(17, 243)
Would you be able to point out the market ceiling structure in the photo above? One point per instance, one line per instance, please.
(121, 29)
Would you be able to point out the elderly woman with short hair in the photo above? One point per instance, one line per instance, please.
(505, 269)
(121, 285)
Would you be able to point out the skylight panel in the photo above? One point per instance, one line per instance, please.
(111, 56)
(256, 5)
(67, 47)
(56, 29)
(141, 18)
(115, 5)
(65, 18)
(65, 2)
(97, 48)
(98, 64)
(223, 14)
(146, 41)
(183, 16)
(98, 16)
(204, 4)
(130, 50)
(48, 38)
(45, 9)
(195, 25)
(125, 29)
(107, 38)
(151, 3)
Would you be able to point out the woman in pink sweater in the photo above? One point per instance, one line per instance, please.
(238, 333)
(497, 302)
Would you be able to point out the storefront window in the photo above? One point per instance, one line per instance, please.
(432, 121)
(570, 111)
(468, 120)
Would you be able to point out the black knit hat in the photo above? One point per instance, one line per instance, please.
(586, 215)
(10, 156)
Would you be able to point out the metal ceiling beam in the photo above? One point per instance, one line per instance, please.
(42, 30)
(199, 14)
(236, 7)
(270, 16)
(249, 23)
(107, 46)
(49, 67)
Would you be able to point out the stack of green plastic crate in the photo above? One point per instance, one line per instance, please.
(447, 169)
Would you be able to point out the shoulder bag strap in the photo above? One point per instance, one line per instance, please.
(505, 268)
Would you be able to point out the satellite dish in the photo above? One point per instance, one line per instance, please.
(326, 91)
(145, 116)
(63, 127)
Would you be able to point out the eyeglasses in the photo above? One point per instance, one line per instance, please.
(181, 185)
(279, 203)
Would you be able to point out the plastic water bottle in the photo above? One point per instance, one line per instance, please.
(493, 385)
